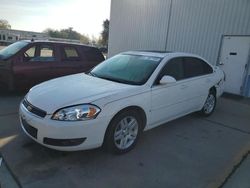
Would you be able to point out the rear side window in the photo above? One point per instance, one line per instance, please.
(93, 54)
(195, 67)
(71, 53)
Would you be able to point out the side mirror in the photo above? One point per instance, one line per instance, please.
(167, 80)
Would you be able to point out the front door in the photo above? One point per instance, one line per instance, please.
(233, 61)
(34, 66)
(169, 101)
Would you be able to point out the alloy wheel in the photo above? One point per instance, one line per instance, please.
(126, 132)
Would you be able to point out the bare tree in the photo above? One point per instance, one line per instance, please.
(4, 24)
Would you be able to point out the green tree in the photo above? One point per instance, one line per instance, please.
(105, 33)
(85, 39)
(68, 33)
(4, 24)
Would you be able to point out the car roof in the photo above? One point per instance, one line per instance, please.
(161, 54)
(57, 42)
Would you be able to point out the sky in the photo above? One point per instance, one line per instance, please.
(85, 16)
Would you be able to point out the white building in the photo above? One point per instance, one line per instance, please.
(218, 30)
(8, 36)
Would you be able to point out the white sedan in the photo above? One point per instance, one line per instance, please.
(119, 99)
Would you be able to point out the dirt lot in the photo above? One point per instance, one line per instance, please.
(188, 152)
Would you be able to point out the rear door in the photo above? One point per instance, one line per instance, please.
(34, 65)
(71, 61)
(93, 56)
(197, 80)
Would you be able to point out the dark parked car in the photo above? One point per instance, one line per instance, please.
(26, 63)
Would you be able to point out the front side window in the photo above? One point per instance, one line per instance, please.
(29, 54)
(174, 68)
(46, 51)
(126, 68)
(31, 51)
(45, 54)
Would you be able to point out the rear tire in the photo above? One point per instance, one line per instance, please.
(123, 132)
(209, 105)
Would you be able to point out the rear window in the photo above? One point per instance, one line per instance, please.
(93, 54)
(70, 53)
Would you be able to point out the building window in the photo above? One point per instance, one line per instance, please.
(3, 37)
(9, 38)
(0, 37)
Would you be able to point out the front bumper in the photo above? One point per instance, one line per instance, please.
(63, 135)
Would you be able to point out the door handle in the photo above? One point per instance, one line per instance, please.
(184, 86)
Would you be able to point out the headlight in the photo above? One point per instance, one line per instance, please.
(77, 113)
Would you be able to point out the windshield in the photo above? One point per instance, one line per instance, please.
(12, 49)
(128, 69)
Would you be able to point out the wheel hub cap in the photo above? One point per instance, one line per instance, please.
(126, 132)
(209, 104)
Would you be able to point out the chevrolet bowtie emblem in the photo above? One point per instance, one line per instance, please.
(29, 108)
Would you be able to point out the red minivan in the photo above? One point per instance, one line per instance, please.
(26, 63)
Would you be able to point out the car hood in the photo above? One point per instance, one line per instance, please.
(70, 90)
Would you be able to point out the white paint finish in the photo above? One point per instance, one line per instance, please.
(160, 103)
(167, 101)
(82, 89)
(234, 65)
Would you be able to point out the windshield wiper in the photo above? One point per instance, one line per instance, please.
(117, 80)
(110, 79)
(91, 74)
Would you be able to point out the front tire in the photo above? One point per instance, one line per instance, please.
(123, 132)
(209, 105)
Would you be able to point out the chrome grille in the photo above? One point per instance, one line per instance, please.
(33, 109)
